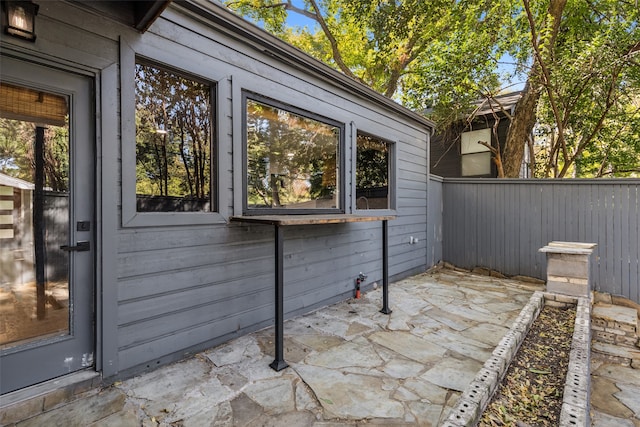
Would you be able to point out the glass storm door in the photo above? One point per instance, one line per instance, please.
(46, 224)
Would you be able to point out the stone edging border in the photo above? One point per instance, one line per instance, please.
(575, 406)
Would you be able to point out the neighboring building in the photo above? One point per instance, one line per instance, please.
(16, 237)
(153, 123)
(456, 153)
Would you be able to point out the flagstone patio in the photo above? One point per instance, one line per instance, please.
(349, 365)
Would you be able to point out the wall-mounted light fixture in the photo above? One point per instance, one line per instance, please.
(20, 19)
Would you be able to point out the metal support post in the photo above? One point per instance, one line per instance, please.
(385, 269)
(279, 364)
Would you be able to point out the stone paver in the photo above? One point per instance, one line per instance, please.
(453, 374)
(349, 365)
(603, 397)
(409, 345)
(615, 313)
(83, 412)
(352, 396)
(486, 332)
(615, 394)
(600, 419)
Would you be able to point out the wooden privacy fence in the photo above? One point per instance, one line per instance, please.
(501, 224)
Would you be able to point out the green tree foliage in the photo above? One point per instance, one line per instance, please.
(579, 60)
(392, 46)
(591, 87)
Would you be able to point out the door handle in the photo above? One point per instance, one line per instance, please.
(82, 246)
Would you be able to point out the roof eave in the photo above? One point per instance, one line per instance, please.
(146, 12)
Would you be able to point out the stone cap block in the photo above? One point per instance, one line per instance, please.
(577, 248)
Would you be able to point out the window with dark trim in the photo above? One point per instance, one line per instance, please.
(174, 140)
(292, 160)
(373, 172)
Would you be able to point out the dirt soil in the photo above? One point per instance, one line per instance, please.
(531, 392)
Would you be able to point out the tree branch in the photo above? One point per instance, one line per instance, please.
(621, 171)
(584, 141)
(397, 70)
(556, 8)
(337, 56)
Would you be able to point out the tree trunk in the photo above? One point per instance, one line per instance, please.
(524, 116)
(522, 122)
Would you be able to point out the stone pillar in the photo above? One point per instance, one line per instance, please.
(568, 267)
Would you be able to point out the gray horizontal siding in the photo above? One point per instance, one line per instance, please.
(184, 287)
(501, 224)
(229, 286)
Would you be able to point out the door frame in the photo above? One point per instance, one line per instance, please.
(96, 102)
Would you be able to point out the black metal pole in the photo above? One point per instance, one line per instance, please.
(279, 364)
(385, 269)
(38, 222)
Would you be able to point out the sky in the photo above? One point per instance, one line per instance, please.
(297, 20)
(505, 65)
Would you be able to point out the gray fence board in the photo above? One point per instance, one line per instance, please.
(606, 223)
(501, 224)
(623, 260)
(634, 236)
(434, 222)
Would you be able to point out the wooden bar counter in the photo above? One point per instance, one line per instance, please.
(280, 221)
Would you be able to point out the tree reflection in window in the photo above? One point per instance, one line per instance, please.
(17, 157)
(173, 141)
(372, 173)
(292, 160)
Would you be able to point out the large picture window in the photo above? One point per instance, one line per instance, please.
(373, 172)
(292, 160)
(174, 133)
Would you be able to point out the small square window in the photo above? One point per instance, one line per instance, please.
(174, 133)
(476, 164)
(373, 172)
(292, 160)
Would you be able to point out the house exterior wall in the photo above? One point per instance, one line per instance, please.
(167, 286)
(200, 285)
(446, 157)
